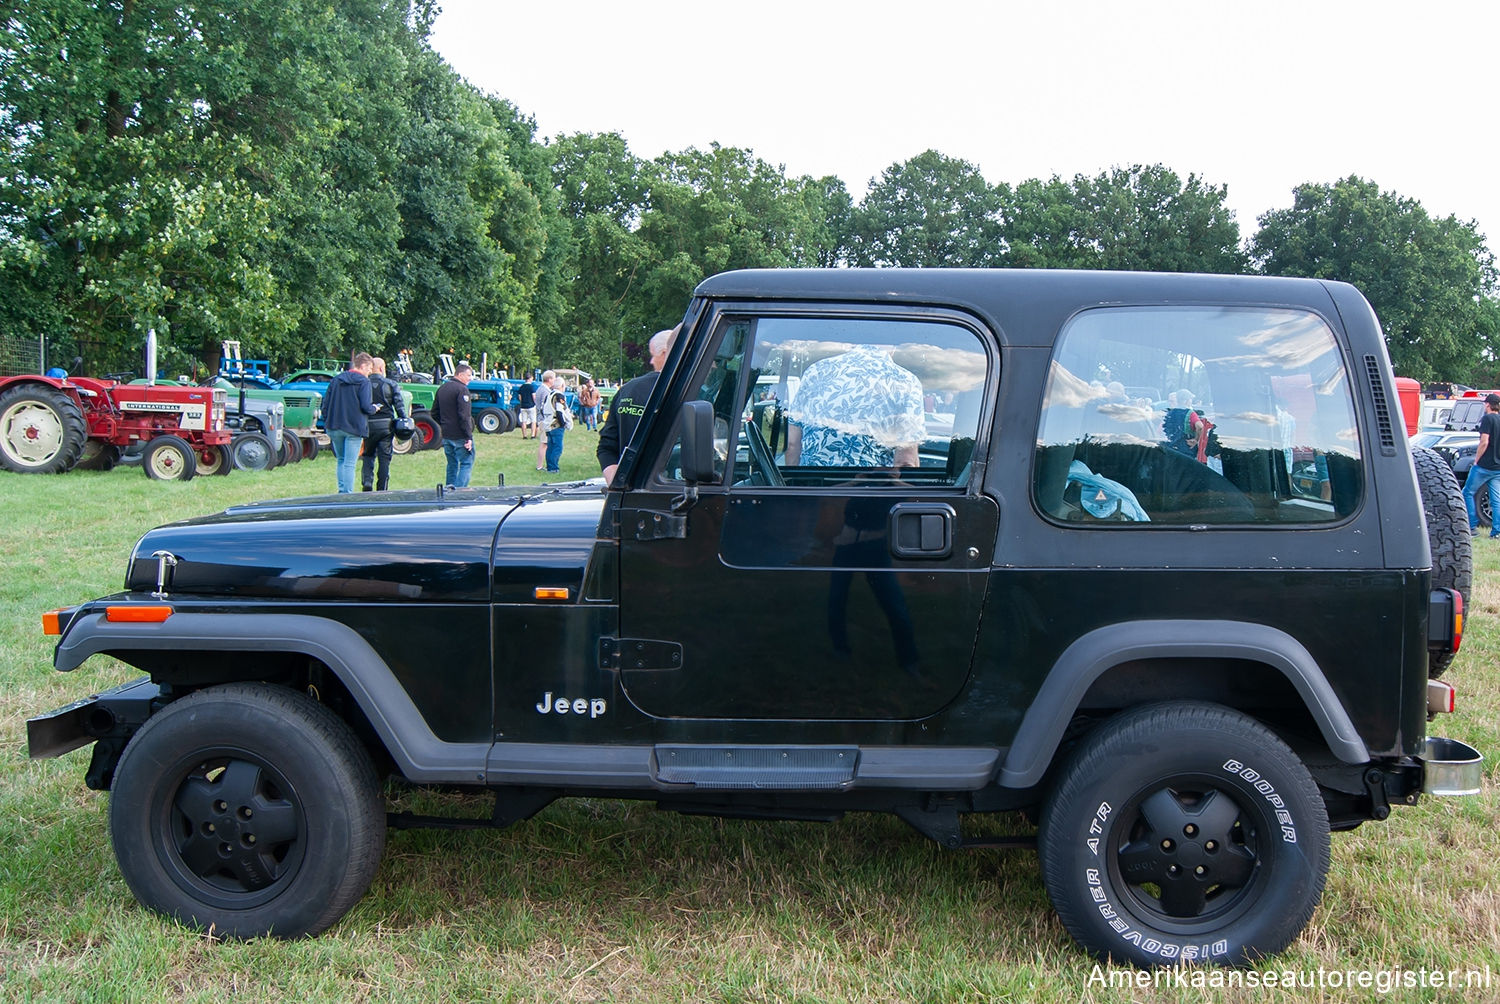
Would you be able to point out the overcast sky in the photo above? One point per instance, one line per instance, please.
(1258, 96)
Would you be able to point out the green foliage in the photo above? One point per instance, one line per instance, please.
(313, 179)
(1431, 281)
(1142, 218)
(928, 212)
(122, 198)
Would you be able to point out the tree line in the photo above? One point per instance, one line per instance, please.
(312, 179)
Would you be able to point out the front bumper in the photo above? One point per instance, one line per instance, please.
(113, 714)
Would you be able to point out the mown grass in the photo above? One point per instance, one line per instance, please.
(606, 900)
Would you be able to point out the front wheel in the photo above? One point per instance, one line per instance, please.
(291, 449)
(489, 421)
(247, 810)
(1184, 833)
(428, 430)
(169, 458)
(252, 451)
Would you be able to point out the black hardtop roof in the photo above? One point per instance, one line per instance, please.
(1019, 299)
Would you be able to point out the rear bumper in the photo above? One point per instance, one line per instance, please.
(1450, 767)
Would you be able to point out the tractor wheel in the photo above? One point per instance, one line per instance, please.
(252, 451)
(169, 458)
(42, 430)
(310, 448)
(490, 421)
(427, 429)
(291, 449)
(98, 456)
(214, 460)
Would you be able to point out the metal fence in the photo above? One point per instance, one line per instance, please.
(22, 355)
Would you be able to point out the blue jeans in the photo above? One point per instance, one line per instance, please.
(554, 450)
(1482, 477)
(460, 462)
(346, 457)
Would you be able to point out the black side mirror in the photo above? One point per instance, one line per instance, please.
(697, 456)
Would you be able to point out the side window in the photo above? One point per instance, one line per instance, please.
(828, 401)
(1197, 415)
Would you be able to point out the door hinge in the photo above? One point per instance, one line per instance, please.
(639, 654)
(649, 524)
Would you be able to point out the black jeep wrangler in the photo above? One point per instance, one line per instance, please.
(1144, 557)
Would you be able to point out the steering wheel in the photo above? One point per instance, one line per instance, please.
(760, 454)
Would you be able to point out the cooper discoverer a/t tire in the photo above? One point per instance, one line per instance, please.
(1447, 534)
(249, 810)
(1184, 833)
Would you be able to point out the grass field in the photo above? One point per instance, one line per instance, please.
(605, 900)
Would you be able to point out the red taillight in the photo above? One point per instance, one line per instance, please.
(137, 613)
(1458, 619)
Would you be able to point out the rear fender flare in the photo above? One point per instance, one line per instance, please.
(1099, 651)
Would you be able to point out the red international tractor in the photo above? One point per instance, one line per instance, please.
(53, 424)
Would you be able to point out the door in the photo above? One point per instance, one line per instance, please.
(838, 568)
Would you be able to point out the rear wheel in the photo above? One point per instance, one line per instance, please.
(1184, 833)
(311, 448)
(1447, 534)
(252, 451)
(169, 458)
(214, 460)
(249, 810)
(42, 430)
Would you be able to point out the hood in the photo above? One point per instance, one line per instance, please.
(423, 546)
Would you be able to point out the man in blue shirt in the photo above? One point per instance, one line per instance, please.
(347, 408)
(1486, 470)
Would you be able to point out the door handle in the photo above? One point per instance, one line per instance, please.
(922, 530)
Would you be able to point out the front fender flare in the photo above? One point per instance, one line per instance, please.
(419, 754)
(1102, 649)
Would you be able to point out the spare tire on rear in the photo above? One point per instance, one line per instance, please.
(1447, 534)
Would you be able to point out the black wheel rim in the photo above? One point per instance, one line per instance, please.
(232, 832)
(1187, 854)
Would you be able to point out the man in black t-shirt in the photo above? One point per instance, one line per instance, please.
(1485, 474)
(629, 405)
(526, 409)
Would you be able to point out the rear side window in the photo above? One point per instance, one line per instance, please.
(1197, 415)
